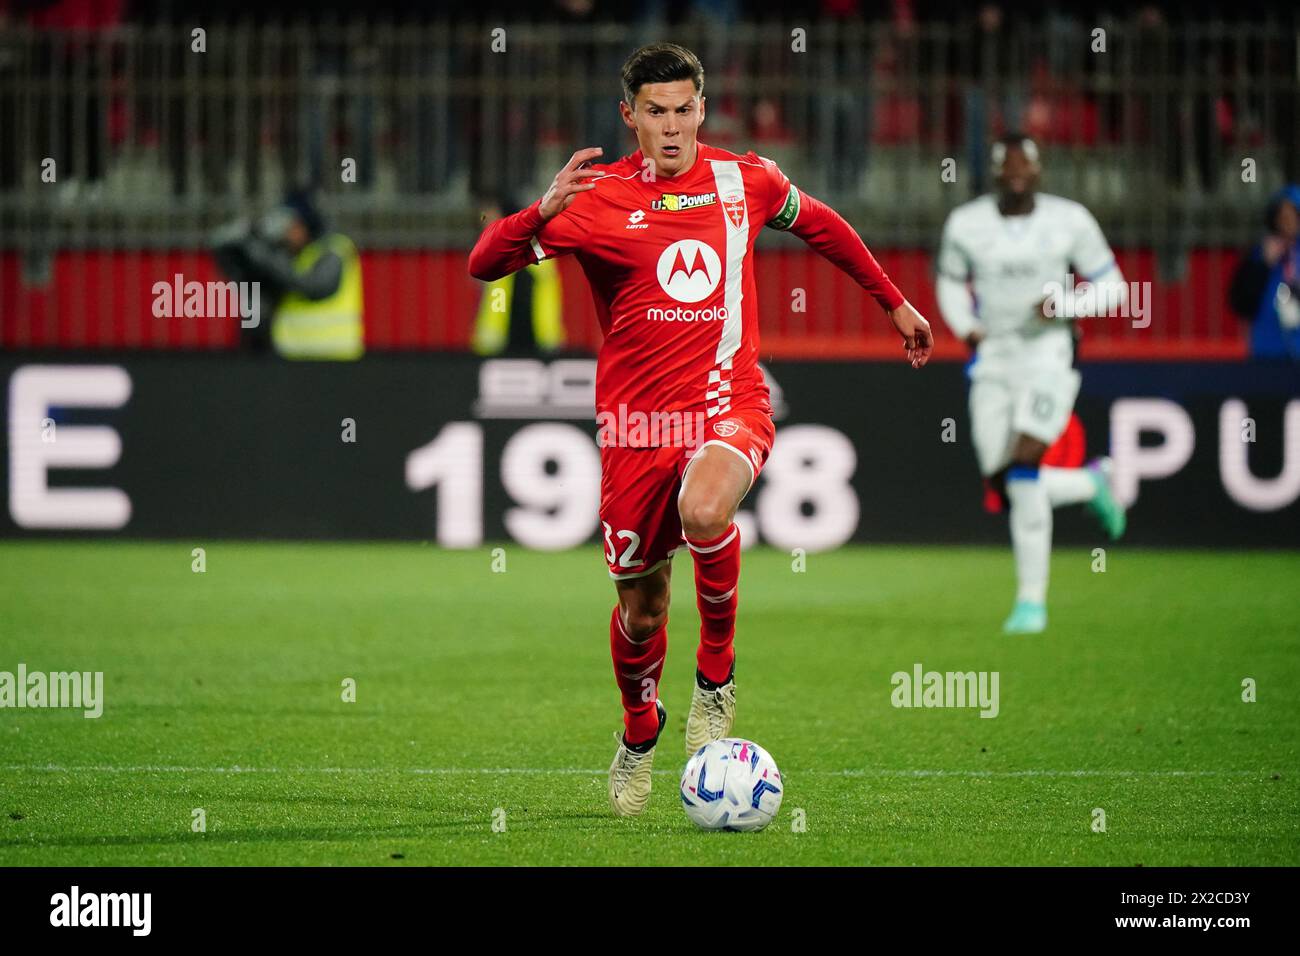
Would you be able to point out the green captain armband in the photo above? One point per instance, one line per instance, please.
(789, 212)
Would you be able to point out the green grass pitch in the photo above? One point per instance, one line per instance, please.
(487, 697)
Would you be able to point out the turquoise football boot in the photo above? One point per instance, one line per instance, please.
(1027, 617)
(1105, 508)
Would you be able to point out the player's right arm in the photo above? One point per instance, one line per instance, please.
(955, 302)
(513, 242)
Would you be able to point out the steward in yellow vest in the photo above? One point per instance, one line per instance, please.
(519, 314)
(328, 327)
(310, 281)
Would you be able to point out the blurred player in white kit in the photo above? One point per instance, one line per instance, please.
(1005, 277)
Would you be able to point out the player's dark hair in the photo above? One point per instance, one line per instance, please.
(1016, 140)
(301, 202)
(660, 63)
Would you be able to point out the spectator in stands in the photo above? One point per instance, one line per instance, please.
(339, 96)
(602, 125)
(1266, 287)
(310, 280)
(71, 56)
(11, 158)
(519, 314)
(994, 95)
(837, 75)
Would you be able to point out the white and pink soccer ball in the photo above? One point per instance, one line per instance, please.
(731, 784)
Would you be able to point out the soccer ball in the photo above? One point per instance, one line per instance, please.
(731, 784)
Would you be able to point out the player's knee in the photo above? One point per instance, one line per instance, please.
(704, 519)
(641, 622)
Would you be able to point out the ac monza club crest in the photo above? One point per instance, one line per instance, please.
(734, 204)
(726, 428)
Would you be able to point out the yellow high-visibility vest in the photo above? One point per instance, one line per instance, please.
(492, 326)
(329, 328)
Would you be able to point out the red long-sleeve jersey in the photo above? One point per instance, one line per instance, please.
(670, 261)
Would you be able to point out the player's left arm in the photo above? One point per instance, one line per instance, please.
(1095, 262)
(793, 210)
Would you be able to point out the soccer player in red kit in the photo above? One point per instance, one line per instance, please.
(666, 239)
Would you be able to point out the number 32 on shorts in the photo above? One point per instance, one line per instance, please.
(628, 558)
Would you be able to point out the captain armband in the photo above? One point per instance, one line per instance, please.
(784, 219)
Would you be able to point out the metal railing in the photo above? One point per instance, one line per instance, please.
(132, 139)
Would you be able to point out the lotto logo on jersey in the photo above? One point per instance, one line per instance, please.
(689, 270)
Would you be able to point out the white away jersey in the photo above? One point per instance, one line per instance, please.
(1010, 260)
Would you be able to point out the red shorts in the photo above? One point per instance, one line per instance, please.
(639, 488)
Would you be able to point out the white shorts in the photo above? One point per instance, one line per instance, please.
(1019, 387)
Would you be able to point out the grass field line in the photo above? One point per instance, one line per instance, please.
(584, 772)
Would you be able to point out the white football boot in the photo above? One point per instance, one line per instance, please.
(629, 774)
(712, 713)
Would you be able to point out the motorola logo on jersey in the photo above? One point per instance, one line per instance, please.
(689, 270)
(714, 313)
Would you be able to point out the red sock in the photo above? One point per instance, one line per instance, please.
(637, 668)
(717, 576)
